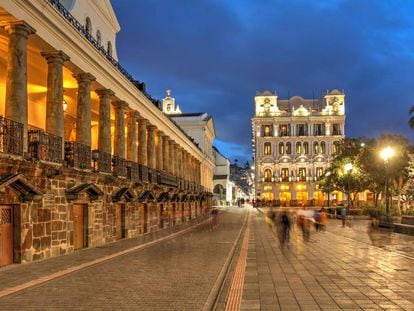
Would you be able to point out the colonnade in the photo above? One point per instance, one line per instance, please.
(142, 143)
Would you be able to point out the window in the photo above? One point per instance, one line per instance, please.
(319, 172)
(302, 174)
(335, 147)
(88, 26)
(267, 148)
(267, 175)
(319, 129)
(336, 129)
(288, 148)
(284, 130)
(109, 48)
(301, 130)
(323, 147)
(267, 130)
(281, 148)
(284, 174)
(298, 148)
(98, 37)
(315, 148)
(305, 148)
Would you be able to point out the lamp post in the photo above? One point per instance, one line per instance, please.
(387, 153)
(348, 168)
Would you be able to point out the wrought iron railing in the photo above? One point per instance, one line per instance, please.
(44, 146)
(118, 166)
(143, 173)
(82, 30)
(11, 137)
(77, 155)
(132, 170)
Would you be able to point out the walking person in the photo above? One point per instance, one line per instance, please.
(343, 216)
(285, 228)
(214, 218)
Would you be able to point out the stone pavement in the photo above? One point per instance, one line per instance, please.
(174, 274)
(342, 269)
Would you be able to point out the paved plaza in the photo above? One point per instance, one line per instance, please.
(341, 269)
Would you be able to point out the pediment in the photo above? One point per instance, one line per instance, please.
(163, 197)
(90, 189)
(146, 196)
(19, 184)
(123, 193)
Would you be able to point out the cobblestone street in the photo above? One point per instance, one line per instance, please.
(342, 269)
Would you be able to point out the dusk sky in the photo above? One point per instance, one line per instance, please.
(215, 55)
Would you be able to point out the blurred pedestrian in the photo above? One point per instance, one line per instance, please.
(214, 218)
(303, 221)
(317, 218)
(323, 219)
(285, 225)
(343, 216)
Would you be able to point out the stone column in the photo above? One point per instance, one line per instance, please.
(16, 79)
(172, 158)
(104, 130)
(132, 143)
(119, 135)
(54, 97)
(151, 146)
(180, 161)
(159, 151)
(83, 113)
(142, 141)
(166, 154)
(185, 164)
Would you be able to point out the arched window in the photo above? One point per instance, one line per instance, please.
(323, 147)
(284, 174)
(315, 148)
(281, 148)
(88, 25)
(267, 148)
(305, 148)
(267, 175)
(109, 48)
(288, 148)
(98, 37)
(267, 131)
(298, 148)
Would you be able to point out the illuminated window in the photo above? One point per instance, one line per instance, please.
(323, 147)
(335, 147)
(319, 172)
(302, 174)
(284, 130)
(267, 130)
(267, 148)
(281, 148)
(267, 175)
(315, 148)
(305, 148)
(284, 173)
(88, 26)
(298, 148)
(288, 148)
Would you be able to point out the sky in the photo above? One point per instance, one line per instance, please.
(216, 54)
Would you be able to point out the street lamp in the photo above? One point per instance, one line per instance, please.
(348, 168)
(387, 153)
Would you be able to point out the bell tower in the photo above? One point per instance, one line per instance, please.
(168, 104)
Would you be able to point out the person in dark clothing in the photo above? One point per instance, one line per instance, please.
(284, 228)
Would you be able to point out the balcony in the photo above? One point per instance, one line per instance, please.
(143, 173)
(104, 161)
(11, 137)
(132, 169)
(43, 146)
(167, 179)
(77, 155)
(152, 176)
(118, 167)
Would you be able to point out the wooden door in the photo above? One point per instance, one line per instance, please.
(120, 221)
(161, 216)
(173, 214)
(182, 213)
(144, 218)
(79, 226)
(6, 235)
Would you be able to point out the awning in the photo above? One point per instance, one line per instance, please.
(22, 186)
(91, 189)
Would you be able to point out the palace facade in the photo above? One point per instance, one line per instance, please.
(87, 157)
(294, 141)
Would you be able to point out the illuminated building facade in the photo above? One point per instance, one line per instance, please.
(294, 141)
(87, 157)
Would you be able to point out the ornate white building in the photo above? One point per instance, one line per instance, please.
(293, 143)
